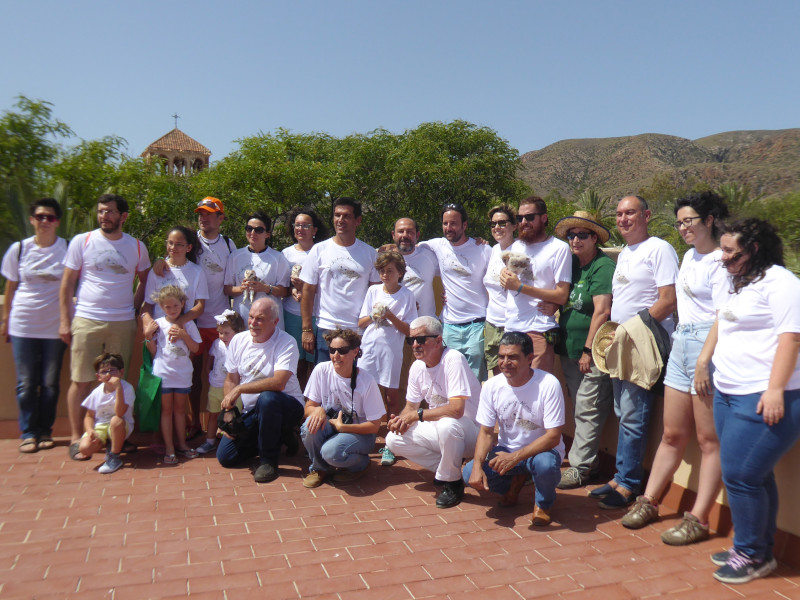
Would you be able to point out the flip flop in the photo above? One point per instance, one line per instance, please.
(28, 446)
(170, 459)
(45, 442)
(189, 453)
(75, 450)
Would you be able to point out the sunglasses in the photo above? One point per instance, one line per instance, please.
(500, 223)
(530, 217)
(420, 339)
(45, 217)
(341, 350)
(581, 235)
(303, 225)
(259, 229)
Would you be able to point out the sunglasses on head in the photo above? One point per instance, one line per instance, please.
(581, 235)
(45, 217)
(420, 339)
(341, 350)
(529, 217)
(208, 204)
(259, 229)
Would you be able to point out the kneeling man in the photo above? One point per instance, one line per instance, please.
(528, 405)
(262, 367)
(441, 436)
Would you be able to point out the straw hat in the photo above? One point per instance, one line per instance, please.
(583, 219)
(602, 340)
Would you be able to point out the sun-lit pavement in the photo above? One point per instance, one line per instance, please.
(151, 531)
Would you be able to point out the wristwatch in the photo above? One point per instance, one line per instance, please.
(587, 350)
(419, 414)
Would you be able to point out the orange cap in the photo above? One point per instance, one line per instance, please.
(210, 204)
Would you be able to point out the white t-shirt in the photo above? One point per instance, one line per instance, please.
(421, 268)
(270, 266)
(173, 361)
(382, 343)
(254, 361)
(496, 310)
(551, 263)
(35, 311)
(641, 269)
(749, 325)
(108, 268)
(189, 277)
(213, 261)
(462, 269)
(332, 391)
(217, 374)
(451, 378)
(343, 275)
(102, 403)
(297, 257)
(524, 412)
(702, 287)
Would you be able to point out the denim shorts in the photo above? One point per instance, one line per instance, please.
(687, 342)
(175, 390)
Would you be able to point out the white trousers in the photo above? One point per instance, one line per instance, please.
(439, 446)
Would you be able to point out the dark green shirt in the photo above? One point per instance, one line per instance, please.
(592, 280)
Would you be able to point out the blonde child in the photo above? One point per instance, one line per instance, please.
(229, 323)
(171, 346)
(109, 412)
(387, 310)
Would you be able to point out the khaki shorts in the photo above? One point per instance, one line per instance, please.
(101, 431)
(215, 396)
(491, 344)
(91, 338)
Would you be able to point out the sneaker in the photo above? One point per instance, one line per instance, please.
(452, 494)
(265, 473)
(207, 446)
(570, 479)
(721, 558)
(113, 463)
(640, 514)
(616, 500)
(314, 479)
(740, 568)
(688, 531)
(387, 457)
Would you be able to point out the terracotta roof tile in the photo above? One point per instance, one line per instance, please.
(177, 140)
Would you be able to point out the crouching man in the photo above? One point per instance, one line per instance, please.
(528, 405)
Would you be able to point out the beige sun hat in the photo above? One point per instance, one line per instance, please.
(583, 219)
(602, 340)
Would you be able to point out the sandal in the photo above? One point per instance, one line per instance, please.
(170, 459)
(189, 453)
(75, 452)
(28, 446)
(45, 442)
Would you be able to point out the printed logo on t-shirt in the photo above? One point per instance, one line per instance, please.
(42, 271)
(209, 264)
(510, 416)
(175, 350)
(684, 286)
(459, 264)
(345, 266)
(575, 296)
(412, 278)
(110, 259)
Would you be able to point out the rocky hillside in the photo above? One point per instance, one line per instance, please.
(768, 161)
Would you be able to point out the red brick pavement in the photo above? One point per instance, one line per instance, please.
(199, 530)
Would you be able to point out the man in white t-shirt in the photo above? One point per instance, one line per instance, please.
(644, 279)
(462, 265)
(421, 265)
(262, 366)
(528, 406)
(441, 436)
(340, 270)
(106, 261)
(544, 276)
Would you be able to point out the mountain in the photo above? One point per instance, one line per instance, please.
(768, 161)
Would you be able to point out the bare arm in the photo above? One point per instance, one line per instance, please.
(666, 304)
(120, 408)
(364, 322)
(190, 315)
(138, 297)
(314, 416)
(68, 282)
(702, 379)
(11, 289)
(401, 326)
(503, 462)
(511, 282)
(771, 406)
(233, 388)
(365, 428)
(306, 312)
(477, 478)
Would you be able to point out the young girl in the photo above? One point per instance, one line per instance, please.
(229, 323)
(387, 310)
(171, 345)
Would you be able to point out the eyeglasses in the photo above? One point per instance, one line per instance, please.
(108, 371)
(259, 229)
(341, 350)
(106, 211)
(420, 339)
(687, 222)
(500, 223)
(303, 225)
(208, 204)
(41, 217)
(529, 217)
(581, 235)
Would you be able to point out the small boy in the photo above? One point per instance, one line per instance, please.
(109, 412)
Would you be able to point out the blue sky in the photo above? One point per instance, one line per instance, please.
(536, 72)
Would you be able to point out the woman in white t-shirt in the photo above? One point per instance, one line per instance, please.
(688, 392)
(503, 223)
(306, 229)
(342, 414)
(33, 269)
(757, 400)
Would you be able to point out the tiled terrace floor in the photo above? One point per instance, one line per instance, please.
(201, 531)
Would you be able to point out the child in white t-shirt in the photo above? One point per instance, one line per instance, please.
(386, 313)
(229, 323)
(171, 346)
(109, 412)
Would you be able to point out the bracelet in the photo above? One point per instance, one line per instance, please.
(309, 330)
(269, 292)
(519, 289)
(587, 350)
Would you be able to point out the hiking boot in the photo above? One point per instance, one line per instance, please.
(740, 568)
(452, 494)
(265, 473)
(113, 463)
(640, 514)
(688, 531)
(387, 457)
(570, 479)
(314, 479)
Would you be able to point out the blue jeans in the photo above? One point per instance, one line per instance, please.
(38, 365)
(544, 468)
(468, 339)
(632, 405)
(330, 450)
(274, 415)
(749, 450)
